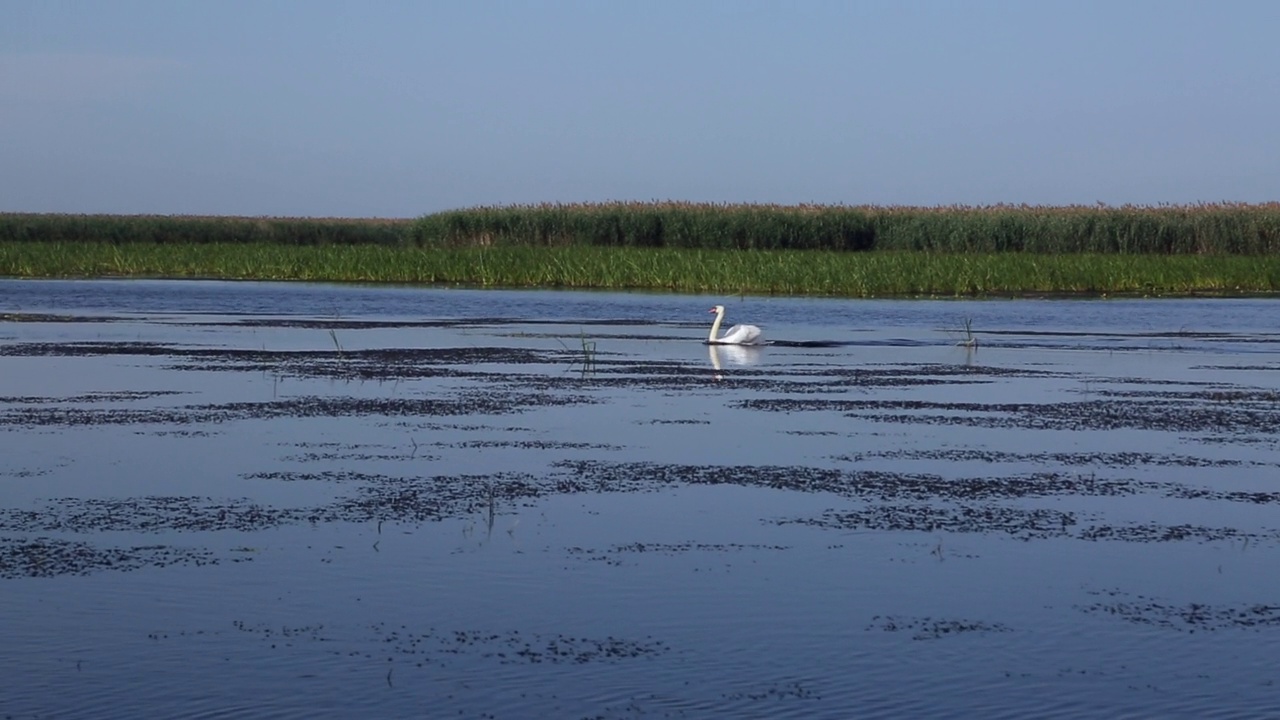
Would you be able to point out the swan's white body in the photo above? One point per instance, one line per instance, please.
(736, 335)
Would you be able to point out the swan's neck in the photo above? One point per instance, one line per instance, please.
(715, 326)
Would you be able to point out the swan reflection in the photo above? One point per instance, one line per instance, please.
(722, 355)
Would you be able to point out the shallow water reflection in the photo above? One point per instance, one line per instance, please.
(310, 501)
(740, 355)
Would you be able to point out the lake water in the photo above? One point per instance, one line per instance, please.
(302, 501)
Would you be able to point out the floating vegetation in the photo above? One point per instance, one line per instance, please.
(1095, 459)
(1019, 523)
(1188, 617)
(614, 555)
(463, 404)
(87, 398)
(153, 514)
(529, 445)
(925, 628)
(868, 484)
(438, 646)
(1188, 415)
(51, 557)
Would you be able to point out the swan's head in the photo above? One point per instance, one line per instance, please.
(719, 310)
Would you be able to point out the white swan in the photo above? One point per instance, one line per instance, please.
(736, 335)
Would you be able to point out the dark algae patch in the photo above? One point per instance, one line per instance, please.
(615, 555)
(894, 503)
(375, 498)
(148, 514)
(1019, 523)
(461, 404)
(925, 628)
(89, 398)
(874, 485)
(439, 647)
(931, 503)
(514, 647)
(1131, 414)
(1183, 617)
(46, 557)
(1095, 459)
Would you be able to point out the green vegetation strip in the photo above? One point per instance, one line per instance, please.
(1208, 228)
(783, 272)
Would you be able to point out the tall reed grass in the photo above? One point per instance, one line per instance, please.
(1217, 228)
(782, 272)
(1210, 228)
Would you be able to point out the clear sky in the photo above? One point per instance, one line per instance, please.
(395, 109)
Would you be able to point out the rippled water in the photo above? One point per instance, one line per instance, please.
(296, 501)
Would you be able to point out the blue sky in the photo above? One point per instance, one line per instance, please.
(395, 109)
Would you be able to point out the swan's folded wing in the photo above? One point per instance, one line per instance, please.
(743, 335)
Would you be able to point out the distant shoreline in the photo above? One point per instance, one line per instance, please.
(869, 251)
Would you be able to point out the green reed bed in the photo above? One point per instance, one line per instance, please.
(787, 272)
(1224, 228)
(1208, 228)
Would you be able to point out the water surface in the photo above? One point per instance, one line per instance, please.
(290, 500)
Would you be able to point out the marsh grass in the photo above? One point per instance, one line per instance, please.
(970, 340)
(588, 355)
(587, 360)
(1202, 228)
(1227, 228)
(333, 335)
(863, 274)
